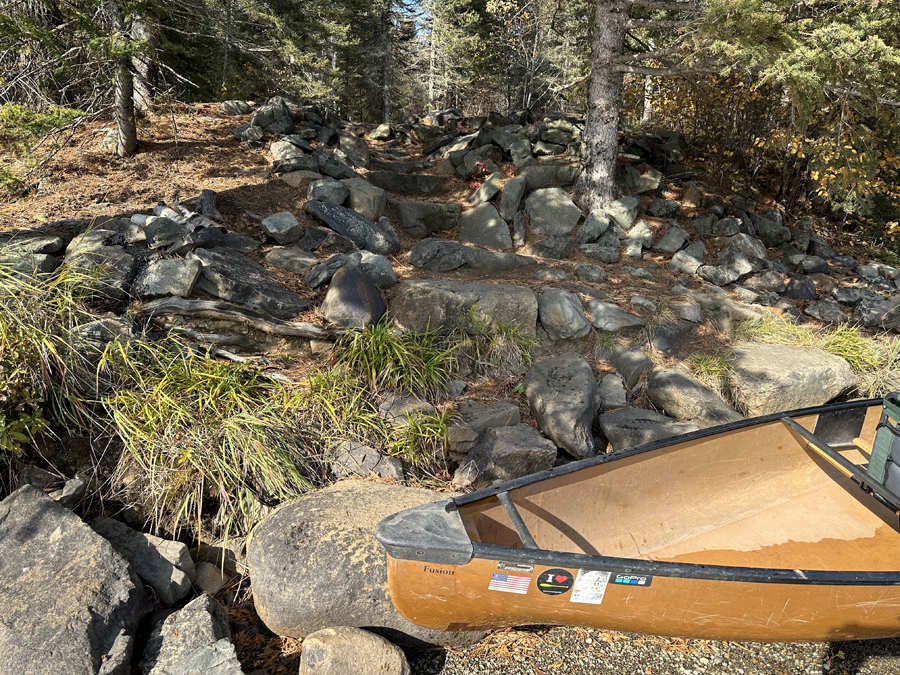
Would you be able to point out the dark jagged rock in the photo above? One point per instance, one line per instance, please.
(362, 231)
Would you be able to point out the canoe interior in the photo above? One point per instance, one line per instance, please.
(751, 497)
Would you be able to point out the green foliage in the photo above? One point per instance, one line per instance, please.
(36, 317)
(387, 358)
(18, 122)
(714, 370)
(498, 349)
(199, 432)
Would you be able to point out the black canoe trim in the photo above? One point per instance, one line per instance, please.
(638, 449)
(658, 568)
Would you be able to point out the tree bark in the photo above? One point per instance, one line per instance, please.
(144, 64)
(596, 186)
(124, 98)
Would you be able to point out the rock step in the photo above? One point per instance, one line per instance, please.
(409, 183)
(398, 167)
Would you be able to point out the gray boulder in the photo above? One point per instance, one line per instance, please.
(164, 565)
(630, 427)
(827, 310)
(359, 229)
(689, 259)
(421, 219)
(551, 212)
(613, 394)
(366, 199)
(167, 277)
(193, 640)
(352, 299)
(356, 459)
(331, 531)
(356, 149)
(489, 189)
(554, 247)
(377, 268)
(483, 226)
(771, 378)
(608, 317)
(232, 276)
(439, 255)
(71, 602)
(593, 274)
(473, 420)
(283, 227)
(679, 394)
(561, 315)
(594, 225)
(505, 453)
(629, 362)
(108, 270)
(421, 305)
(672, 240)
(624, 211)
(511, 197)
(537, 177)
(292, 259)
(564, 397)
(409, 183)
(327, 190)
(344, 650)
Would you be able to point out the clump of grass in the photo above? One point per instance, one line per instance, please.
(498, 349)
(714, 370)
(884, 379)
(37, 316)
(388, 358)
(856, 349)
(770, 328)
(198, 432)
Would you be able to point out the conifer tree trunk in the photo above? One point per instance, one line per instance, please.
(596, 186)
(124, 98)
(143, 64)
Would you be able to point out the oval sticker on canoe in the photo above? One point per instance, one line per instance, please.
(555, 581)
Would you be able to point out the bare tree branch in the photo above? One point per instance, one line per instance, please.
(646, 56)
(692, 7)
(657, 23)
(662, 72)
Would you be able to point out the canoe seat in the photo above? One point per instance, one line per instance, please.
(884, 463)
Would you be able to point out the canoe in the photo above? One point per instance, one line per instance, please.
(778, 528)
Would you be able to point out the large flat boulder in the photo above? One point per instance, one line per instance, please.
(682, 396)
(109, 269)
(440, 255)
(773, 378)
(232, 276)
(564, 396)
(422, 305)
(71, 603)
(630, 427)
(422, 219)
(483, 226)
(505, 453)
(551, 211)
(315, 563)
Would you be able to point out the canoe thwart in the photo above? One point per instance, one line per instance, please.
(845, 466)
(432, 532)
(517, 521)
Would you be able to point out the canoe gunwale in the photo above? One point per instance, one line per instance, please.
(401, 534)
(578, 465)
(662, 568)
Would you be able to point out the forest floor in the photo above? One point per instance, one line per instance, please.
(190, 149)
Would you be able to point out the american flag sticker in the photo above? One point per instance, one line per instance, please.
(509, 583)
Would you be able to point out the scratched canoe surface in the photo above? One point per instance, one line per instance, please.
(736, 533)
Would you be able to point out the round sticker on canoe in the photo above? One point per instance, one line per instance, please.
(554, 582)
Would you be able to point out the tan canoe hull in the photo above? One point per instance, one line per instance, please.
(457, 597)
